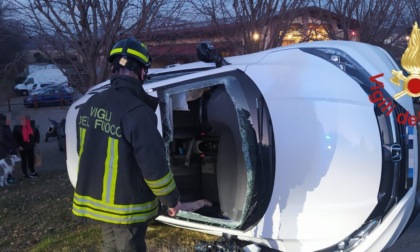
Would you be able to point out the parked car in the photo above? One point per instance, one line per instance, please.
(49, 97)
(37, 87)
(295, 146)
(60, 88)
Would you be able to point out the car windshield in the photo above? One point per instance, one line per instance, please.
(49, 89)
(168, 75)
(46, 92)
(150, 78)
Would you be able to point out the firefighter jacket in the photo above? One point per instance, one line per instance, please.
(123, 169)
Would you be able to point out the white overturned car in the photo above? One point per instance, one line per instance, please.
(299, 148)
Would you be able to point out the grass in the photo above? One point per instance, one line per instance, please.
(35, 215)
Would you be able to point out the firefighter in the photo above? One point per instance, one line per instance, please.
(123, 172)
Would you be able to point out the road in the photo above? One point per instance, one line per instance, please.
(409, 241)
(53, 159)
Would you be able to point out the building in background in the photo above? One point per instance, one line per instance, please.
(179, 44)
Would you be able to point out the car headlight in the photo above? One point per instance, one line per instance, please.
(357, 237)
(337, 60)
(344, 62)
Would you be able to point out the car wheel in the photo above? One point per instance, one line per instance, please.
(67, 102)
(25, 92)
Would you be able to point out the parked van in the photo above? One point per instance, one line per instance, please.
(53, 76)
(31, 68)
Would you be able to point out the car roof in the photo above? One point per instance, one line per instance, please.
(44, 90)
(359, 51)
(252, 58)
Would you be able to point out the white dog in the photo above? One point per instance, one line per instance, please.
(6, 167)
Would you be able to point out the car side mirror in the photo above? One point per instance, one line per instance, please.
(207, 53)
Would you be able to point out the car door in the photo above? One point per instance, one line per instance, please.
(213, 123)
(49, 97)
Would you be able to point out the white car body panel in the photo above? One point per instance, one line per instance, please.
(326, 139)
(328, 150)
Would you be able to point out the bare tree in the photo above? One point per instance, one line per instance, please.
(410, 15)
(413, 11)
(81, 32)
(377, 22)
(345, 11)
(257, 24)
(216, 18)
(11, 42)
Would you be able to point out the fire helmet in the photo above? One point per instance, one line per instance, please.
(130, 49)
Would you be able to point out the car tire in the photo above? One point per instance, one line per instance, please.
(24, 92)
(67, 102)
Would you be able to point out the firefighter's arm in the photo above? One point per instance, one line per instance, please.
(150, 154)
(172, 211)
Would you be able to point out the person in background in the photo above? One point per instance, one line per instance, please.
(123, 169)
(27, 137)
(8, 145)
